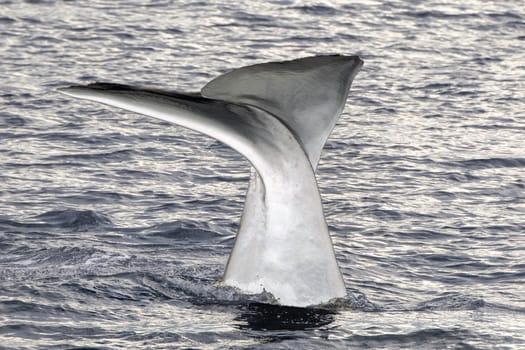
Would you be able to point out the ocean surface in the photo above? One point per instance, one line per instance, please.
(114, 227)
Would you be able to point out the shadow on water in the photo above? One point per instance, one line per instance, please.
(262, 317)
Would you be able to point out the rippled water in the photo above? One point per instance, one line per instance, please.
(114, 226)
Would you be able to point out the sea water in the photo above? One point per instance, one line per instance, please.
(114, 227)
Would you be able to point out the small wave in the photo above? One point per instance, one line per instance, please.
(8, 120)
(77, 220)
(24, 262)
(433, 338)
(451, 302)
(31, 308)
(13, 225)
(128, 287)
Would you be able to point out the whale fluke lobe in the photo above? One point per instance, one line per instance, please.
(307, 94)
(278, 115)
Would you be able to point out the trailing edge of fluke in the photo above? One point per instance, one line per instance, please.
(278, 115)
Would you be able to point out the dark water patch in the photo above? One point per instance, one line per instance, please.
(500, 229)
(38, 2)
(183, 231)
(384, 110)
(253, 18)
(473, 265)
(316, 10)
(464, 229)
(210, 178)
(4, 246)
(299, 38)
(482, 61)
(208, 202)
(173, 30)
(487, 163)
(134, 174)
(264, 317)
(86, 77)
(8, 120)
(435, 14)
(494, 127)
(351, 37)
(47, 39)
(76, 220)
(105, 157)
(55, 136)
(44, 165)
(106, 139)
(442, 258)
(469, 278)
(73, 347)
(422, 234)
(384, 214)
(124, 36)
(443, 195)
(31, 20)
(165, 207)
(505, 15)
(142, 48)
(91, 38)
(16, 98)
(337, 145)
(437, 86)
(516, 25)
(465, 93)
(7, 20)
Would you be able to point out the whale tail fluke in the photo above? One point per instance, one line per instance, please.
(278, 115)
